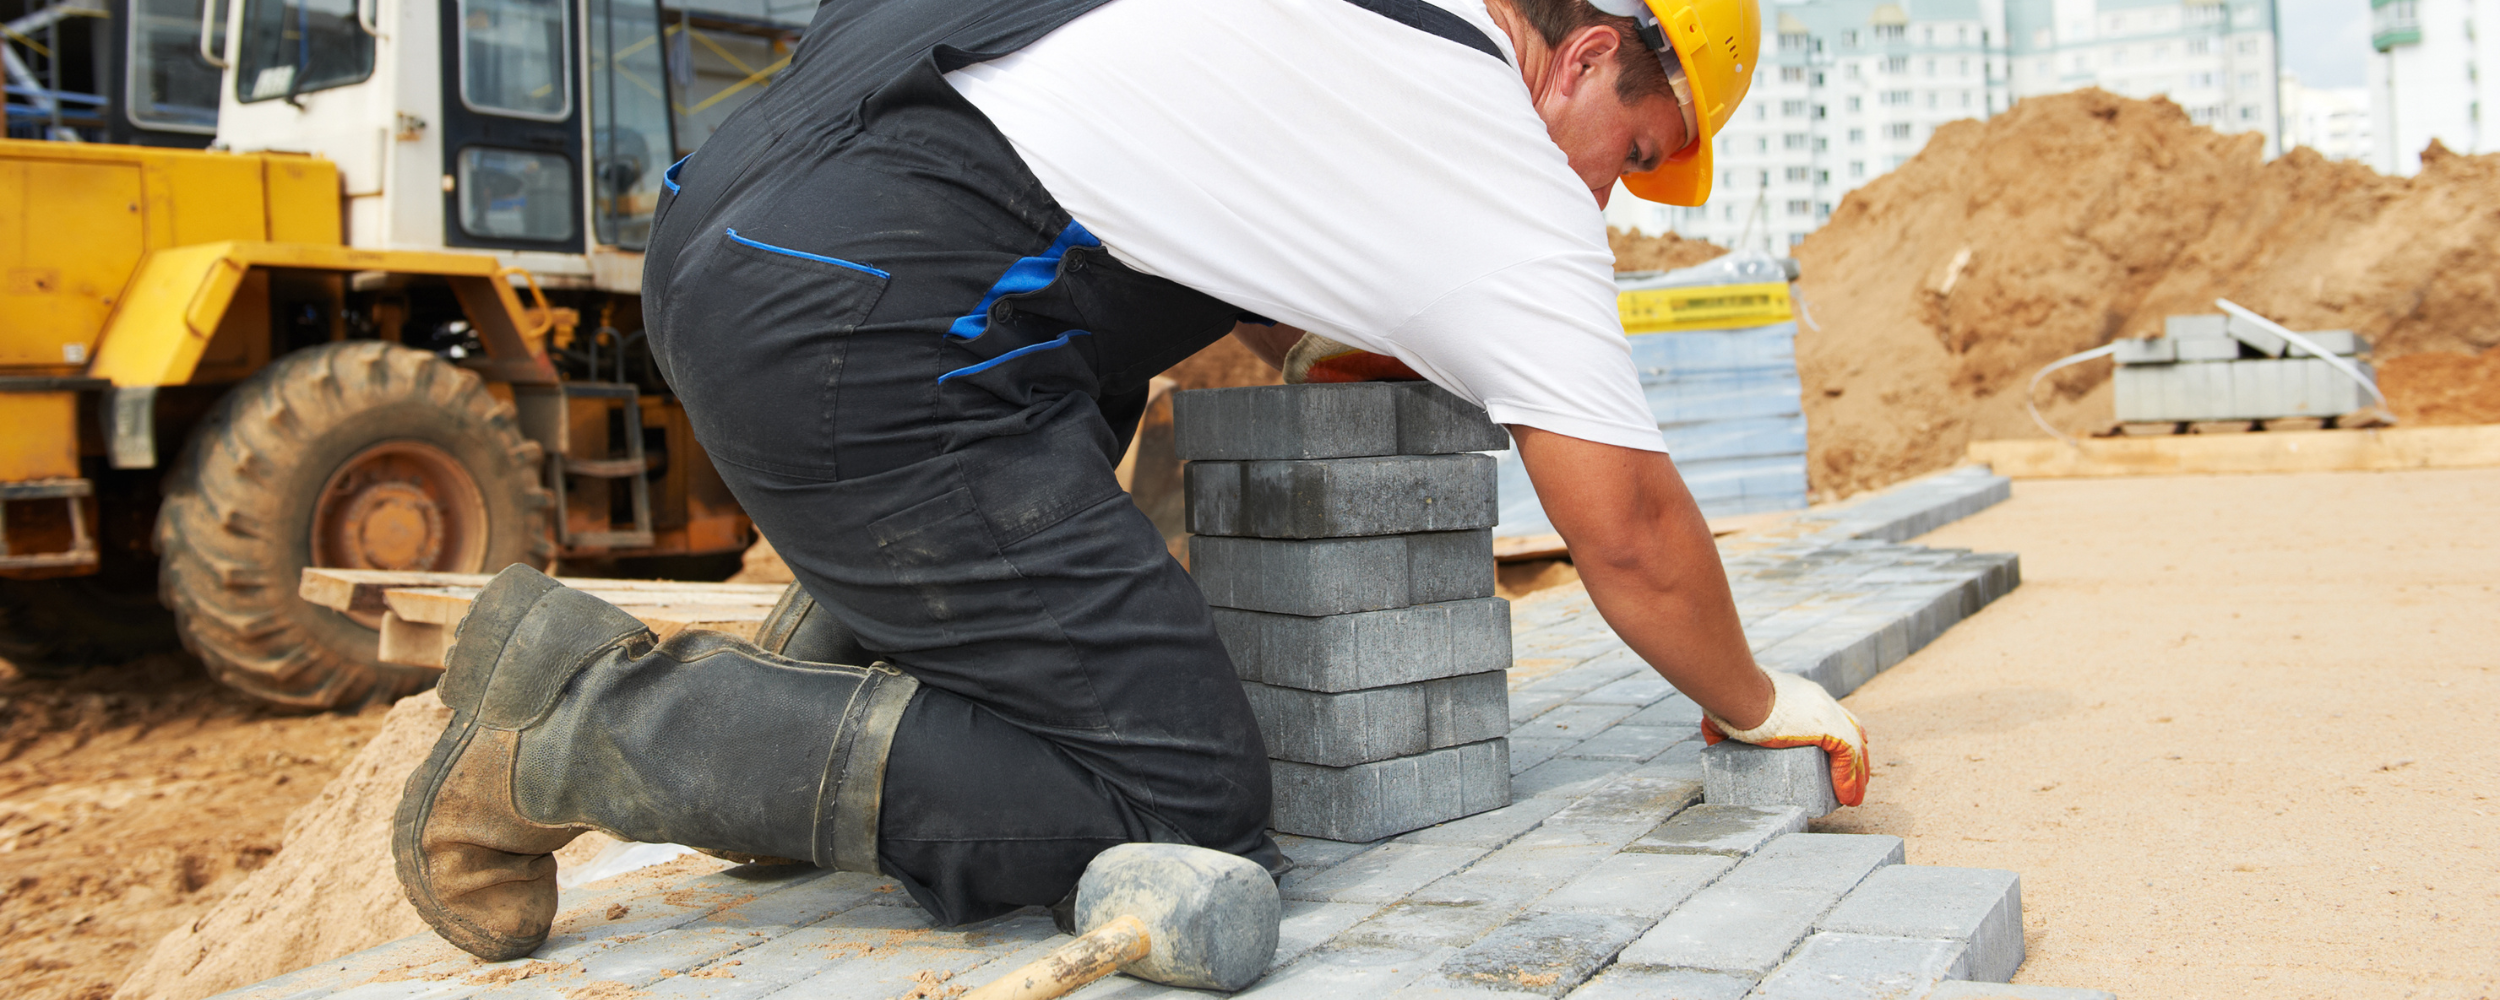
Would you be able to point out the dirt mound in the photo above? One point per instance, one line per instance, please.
(131, 798)
(1664, 252)
(331, 891)
(2443, 387)
(2078, 218)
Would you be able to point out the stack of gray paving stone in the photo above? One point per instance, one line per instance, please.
(1342, 534)
(2218, 368)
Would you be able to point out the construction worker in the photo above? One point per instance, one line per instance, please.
(912, 297)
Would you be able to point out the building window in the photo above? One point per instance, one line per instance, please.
(1896, 64)
(1762, 144)
(1821, 144)
(1897, 98)
(1966, 98)
(1800, 206)
(1793, 140)
(1850, 71)
(1792, 109)
(2200, 46)
(1849, 39)
(1821, 112)
(2083, 62)
(2248, 46)
(2200, 79)
(1857, 135)
(1800, 174)
(1792, 74)
(1855, 104)
(1963, 69)
(1822, 210)
(2248, 112)
(1891, 32)
(1793, 42)
(1931, 98)
(1796, 238)
(1762, 179)
(1961, 35)
(1897, 130)
(1857, 168)
(1822, 177)
(1931, 68)
(2249, 80)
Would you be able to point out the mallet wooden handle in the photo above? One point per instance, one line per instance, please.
(1100, 952)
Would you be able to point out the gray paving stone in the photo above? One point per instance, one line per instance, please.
(1527, 752)
(1341, 729)
(1384, 874)
(1306, 925)
(1981, 908)
(1342, 497)
(1368, 649)
(1566, 833)
(1611, 663)
(1862, 967)
(1960, 990)
(1516, 875)
(1338, 973)
(1434, 421)
(1723, 928)
(1488, 829)
(1414, 924)
(2207, 325)
(1637, 885)
(1544, 953)
(1621, 983)
(1638, 690)
(1636, 743)
(1740, 774)
(1683, 760)
(1679, 712)
(1526, 705)
(1829, 863)
(1316, 853)
(1735, 831)
(1566, 776)
(1331, 576)
(1386, 798)
(1639, 797)
(1575, 721)
(1286, 421)
(1465, 709)
(2267, 342)
(1437, 986)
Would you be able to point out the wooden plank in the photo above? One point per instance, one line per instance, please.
(415, 644)
(2389, 448)
(362, 589)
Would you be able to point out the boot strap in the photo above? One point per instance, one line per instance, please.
(853, 789)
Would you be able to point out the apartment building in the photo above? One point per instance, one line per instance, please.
(2426, 81)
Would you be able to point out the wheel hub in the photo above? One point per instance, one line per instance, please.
(400, 505)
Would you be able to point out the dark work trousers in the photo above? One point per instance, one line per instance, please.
(916, 373)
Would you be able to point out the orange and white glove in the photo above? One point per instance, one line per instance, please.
(1318, 359)
(1805, 715)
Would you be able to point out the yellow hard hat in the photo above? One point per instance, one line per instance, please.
(1709, 48)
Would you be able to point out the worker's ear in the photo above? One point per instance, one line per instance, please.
(1586, 57)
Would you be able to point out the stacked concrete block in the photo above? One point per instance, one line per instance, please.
(2217, 368)
(1342, 535)
(1735, 774)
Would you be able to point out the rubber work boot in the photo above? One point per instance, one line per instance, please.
(799, 629)
(568, 716)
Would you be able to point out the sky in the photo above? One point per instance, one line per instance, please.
(2325, 42)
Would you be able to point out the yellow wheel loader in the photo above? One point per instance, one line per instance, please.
(388, 320)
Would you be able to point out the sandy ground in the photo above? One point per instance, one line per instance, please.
(2230, 730)
(132, 798)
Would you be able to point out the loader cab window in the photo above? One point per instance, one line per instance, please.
(631, 141)
(513, 194)
(512, 58)
(293, 47)
(170, 86)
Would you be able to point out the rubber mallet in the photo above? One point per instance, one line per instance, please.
(1176, 915)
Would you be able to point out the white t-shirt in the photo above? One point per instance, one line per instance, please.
(1322, 165)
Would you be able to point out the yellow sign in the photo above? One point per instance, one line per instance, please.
(1706, 307)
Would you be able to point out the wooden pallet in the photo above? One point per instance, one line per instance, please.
(419, 610)
(2272, 451)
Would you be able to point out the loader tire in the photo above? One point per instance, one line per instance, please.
(358, 455)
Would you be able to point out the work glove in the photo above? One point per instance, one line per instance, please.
(1805, 715)
(1318, 359)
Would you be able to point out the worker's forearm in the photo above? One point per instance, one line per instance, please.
(1645, 553)
(1672, 606)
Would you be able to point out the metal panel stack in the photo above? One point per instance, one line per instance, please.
(2214, 368)
(1342, 534)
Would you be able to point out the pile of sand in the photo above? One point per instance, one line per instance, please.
(2083, 217)
(329, 891)
(1664, 252)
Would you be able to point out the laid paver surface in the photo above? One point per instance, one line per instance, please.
(1604, 877)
